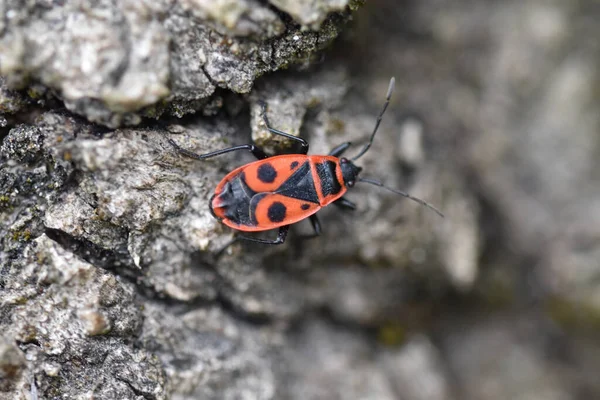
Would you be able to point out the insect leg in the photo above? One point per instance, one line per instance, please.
(255, 150)
(314, 221)
(339, 150)
(274, 131)
(345, 204)
(281, 235)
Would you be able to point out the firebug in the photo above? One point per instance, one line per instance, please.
(277, 191)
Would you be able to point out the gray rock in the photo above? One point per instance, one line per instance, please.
(208, 354)
(116, 62)
(12, 364)
(310, 12)
(418, 371)
(109, 284)
(67, 316)
(347, 368)
(11, 101)
(500, 358)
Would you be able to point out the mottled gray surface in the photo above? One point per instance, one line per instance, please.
(109, 287)
(114, 62)
(73, 323)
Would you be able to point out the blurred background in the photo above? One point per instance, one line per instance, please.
(506, 97)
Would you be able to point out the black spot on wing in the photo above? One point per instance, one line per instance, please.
(294, 164)
(300, 185)
(328, 178)
(276, 212)
(305, 206)
(266, 173)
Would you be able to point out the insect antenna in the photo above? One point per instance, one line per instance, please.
(401, 193)
(379, 117)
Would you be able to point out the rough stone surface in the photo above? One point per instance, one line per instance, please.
(109, 284)
(310, 12)
(11, 101)
(114, 62)
(208, 354)
(67, 316)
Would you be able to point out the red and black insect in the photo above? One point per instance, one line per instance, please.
(277, 191)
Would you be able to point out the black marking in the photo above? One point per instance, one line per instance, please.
(300, 185)
(234, 199)
(266, 173)
(294, 164)
(252, 206)
(248, 192)
(305, 206)
(328, 178)
(276, 212)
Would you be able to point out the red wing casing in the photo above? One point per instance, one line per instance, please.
(277, 191)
